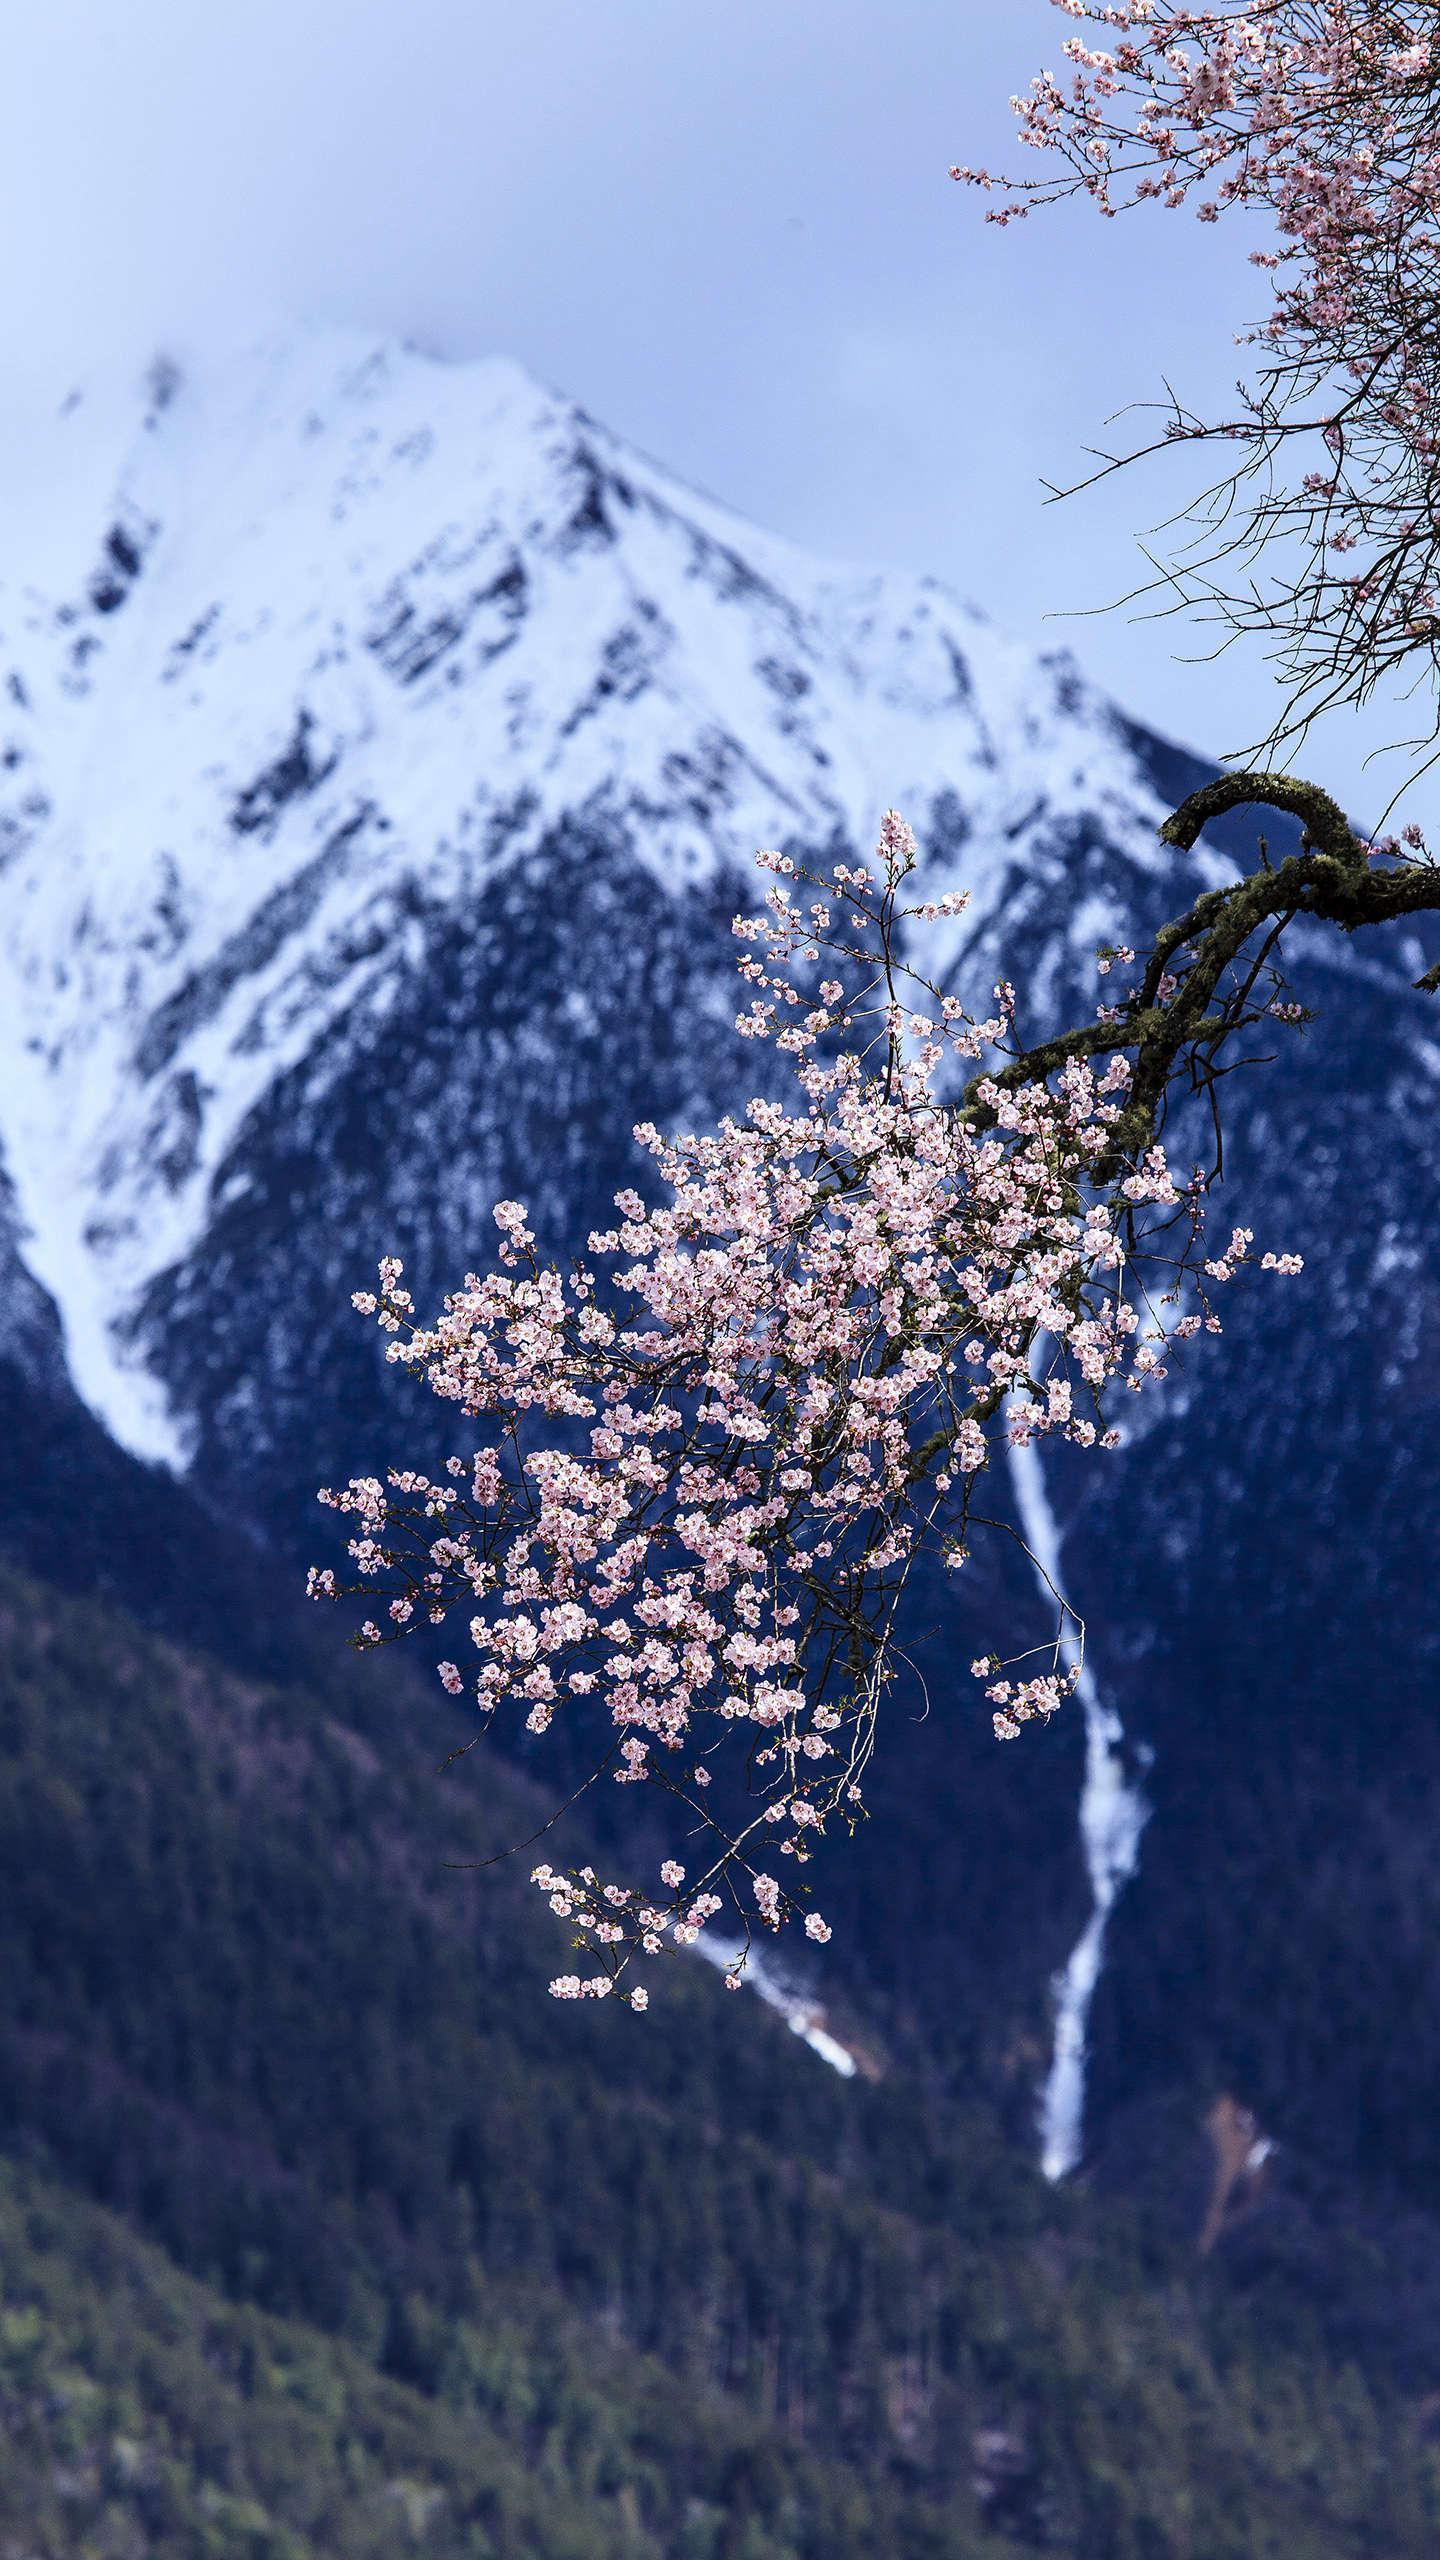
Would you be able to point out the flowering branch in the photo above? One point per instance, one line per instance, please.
(1323, 115)
(712, 1451)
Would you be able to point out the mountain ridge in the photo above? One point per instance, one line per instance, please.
(356, 631)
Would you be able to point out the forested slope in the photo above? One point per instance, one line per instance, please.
(669, 2285)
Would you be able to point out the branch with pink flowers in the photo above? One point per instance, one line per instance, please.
(705, 1459)
(1323, 118)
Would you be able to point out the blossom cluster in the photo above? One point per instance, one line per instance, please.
(1322, 116)
(708, 1454)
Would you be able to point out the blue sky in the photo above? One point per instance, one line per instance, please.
(728, 232)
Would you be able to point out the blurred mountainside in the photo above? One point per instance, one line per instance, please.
(384, 748)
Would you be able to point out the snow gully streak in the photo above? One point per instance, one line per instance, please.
(1113, 1814)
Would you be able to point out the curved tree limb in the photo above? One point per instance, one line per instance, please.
(1190, 1001)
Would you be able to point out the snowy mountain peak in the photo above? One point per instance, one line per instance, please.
(307, 646)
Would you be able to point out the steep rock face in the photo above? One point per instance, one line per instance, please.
(382, 771)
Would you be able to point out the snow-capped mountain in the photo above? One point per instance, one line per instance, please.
(350, 635)
(384, 749)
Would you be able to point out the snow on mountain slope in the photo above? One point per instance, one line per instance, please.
(309, 648)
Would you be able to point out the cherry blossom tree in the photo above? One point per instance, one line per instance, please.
(705, 1460)
(1322, 118)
